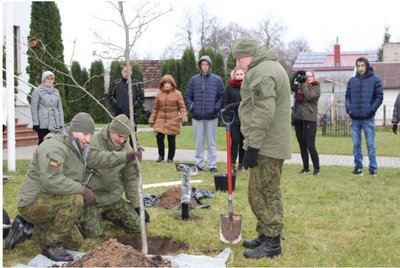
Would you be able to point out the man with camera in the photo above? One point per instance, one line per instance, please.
(304, 116)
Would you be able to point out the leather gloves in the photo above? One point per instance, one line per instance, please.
(250, 158)
(89, 199)
(146, 215)
(394, 128)
(36, 127)
(132, 153)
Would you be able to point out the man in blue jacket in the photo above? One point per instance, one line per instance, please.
(364, 95)
(204, 97)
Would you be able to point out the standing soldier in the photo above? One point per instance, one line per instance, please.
(54, 192)
(264, 113)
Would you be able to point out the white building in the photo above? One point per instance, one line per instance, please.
(21, 14)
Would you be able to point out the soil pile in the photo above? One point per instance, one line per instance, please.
(114, 254)
(172, 199)
(157, 245)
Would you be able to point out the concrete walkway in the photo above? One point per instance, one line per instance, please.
(188, 156)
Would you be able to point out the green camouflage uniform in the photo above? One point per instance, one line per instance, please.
(265, 113)
(109, 185)
(51, 194)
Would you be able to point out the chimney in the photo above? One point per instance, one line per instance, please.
(336, 53)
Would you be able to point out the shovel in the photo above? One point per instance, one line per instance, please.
(231, 225)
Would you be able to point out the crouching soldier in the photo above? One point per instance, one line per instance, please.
(109, 185)
(53, 194)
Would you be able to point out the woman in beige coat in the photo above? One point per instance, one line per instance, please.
(168, 113)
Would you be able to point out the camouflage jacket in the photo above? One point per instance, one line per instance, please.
(59, 166)
(265, 111)
(108, 184)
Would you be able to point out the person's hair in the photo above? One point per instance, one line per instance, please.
(167, 78)
(234, 71)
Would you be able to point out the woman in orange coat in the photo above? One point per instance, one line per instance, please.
(169, 111)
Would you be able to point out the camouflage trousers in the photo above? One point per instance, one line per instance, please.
(55, 217)
(265, 195)
(120, 213)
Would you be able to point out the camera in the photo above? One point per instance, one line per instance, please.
(300, 78)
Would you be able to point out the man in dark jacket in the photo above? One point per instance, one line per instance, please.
(364, 95)
(204, 98)
(117, 94)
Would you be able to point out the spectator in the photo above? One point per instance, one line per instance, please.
(110, 185)
(364, 95)
(205, 96)
(264, 114)
(396, 114)
(117, 95)
(168, 113)
(232, 97)
(46, 107)
(304, 116)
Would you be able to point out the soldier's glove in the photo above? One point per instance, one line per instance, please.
(132, 153)
(394, 128)
(36, 128)
(250, 158)
(89, 199)
(146, 215)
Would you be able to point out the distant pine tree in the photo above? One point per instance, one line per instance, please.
(188, 68)
(96, 88)
(74, 95)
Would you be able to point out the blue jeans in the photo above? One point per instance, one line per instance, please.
(368, 125)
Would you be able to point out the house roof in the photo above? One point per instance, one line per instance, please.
(319, 61)
(389, 73)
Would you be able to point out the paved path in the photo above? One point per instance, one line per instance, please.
(188, 155)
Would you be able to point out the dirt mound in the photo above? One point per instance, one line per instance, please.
(157, 245)
(114, 254)
(172, 199)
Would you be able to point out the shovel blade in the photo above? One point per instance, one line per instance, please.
(231, 228)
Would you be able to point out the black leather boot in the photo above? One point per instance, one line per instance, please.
(21, 230)
(253, 243)
(270, 247)
(56, 252)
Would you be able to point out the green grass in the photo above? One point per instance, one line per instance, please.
(387, 144)
(330, 220)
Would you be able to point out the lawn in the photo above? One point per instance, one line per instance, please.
(387, 144)
(330, 220)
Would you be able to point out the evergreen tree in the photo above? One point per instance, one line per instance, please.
(207, 51)
(96, 88)
(84, 79)
(74, 95)
(136, 71)
(172, 67)
(45, 43)
(230, 65)
(188, 68)
(115, 71)
(218, 66)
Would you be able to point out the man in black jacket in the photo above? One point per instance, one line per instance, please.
(117, 94)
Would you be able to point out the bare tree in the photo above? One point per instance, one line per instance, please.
(294, 48)
(206, 21)
(270, 33)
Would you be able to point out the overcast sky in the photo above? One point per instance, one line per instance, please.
(359, 25)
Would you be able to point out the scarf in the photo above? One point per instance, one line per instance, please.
(235, 83)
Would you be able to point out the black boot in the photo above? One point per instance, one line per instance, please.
(269, 248)
(252, 243)
(21, 230)
(56, 252)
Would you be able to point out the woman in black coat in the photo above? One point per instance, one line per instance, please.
(232, 95)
